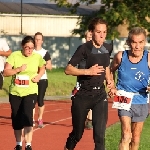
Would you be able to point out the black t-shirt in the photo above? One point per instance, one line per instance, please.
(89, 56)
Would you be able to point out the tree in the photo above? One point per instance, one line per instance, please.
(115, 12)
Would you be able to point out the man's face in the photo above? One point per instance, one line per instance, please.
(99, 34)
(89, 36)
(38, 40)
(137, 44)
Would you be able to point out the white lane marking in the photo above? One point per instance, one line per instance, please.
(50, 123)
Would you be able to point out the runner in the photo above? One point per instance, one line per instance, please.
(26, 69)
(4, 53)
(43, 83)
(91, 94)
(131, 99)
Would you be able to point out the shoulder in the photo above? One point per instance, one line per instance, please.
(108, 46)
(118, 56)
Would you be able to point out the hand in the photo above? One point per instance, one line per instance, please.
(112, 92)
(35, 79)
(96, 70)
(148, 88)
(22, 68)
(110, 84)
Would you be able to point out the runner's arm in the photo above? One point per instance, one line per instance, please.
(9, 70)
(5, 53)
(115, 64)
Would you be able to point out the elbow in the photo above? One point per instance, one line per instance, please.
(67, 72)
(5, 74)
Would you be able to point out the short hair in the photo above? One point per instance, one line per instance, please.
(27, 39)
(38, 33)
(135, 31)
(93, 22)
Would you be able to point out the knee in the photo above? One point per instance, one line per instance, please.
(135, 140)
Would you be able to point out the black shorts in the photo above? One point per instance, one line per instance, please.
(22, 110)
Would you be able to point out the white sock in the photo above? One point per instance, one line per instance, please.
(19, 143)
(28, 144)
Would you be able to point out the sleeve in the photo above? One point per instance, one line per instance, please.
(11, 59)
(5, 46)
(47, 56)
(77, 56)
(41, 61)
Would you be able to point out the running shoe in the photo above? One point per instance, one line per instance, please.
(40, 123)
(18, 147)
(89, 125)
(28, 147)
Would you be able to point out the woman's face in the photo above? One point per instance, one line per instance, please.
(27, 49)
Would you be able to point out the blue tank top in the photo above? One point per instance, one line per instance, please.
(133, 77)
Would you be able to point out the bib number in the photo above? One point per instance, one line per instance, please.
(123, 100)
(22, 81)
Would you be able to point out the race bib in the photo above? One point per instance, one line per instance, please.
(123, 100)
(22, 81)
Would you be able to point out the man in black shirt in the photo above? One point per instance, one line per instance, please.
(92, 94)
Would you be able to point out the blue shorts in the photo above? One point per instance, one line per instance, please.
(137, 112)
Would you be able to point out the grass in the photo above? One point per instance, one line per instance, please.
(113, 136)
(58, 83)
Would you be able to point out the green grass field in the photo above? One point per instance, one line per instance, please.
(113, 136)
(58, 83)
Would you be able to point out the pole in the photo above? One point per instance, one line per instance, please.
(21, 16)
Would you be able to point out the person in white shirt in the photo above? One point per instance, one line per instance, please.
(4, 52)
(43, 83)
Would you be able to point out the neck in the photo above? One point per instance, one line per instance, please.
(96, 44)
(37, 48)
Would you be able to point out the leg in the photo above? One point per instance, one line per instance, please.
(42, 85)
(1, 80)
(89, 116)
(125, 133)
(136, 128)
(140, 113)
(79, 113)
(99, 119)
(28, 105)
(16, 116)
(88, 123)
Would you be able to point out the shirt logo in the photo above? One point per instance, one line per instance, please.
(139, 76)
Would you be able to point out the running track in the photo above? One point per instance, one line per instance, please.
(57, 120)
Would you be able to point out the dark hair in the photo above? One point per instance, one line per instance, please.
(93, 22)
(38, 33)
(27, 39)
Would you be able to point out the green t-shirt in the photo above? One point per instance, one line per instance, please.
(21, 84)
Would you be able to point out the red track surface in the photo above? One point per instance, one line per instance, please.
(57, 120)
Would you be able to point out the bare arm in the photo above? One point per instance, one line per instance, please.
(148, 88)
(9, 71)
(94, 70)
(48, 65)
(115, 64)
(5, 53)
(41, 71)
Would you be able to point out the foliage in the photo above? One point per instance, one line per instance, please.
(115, 12)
